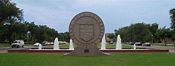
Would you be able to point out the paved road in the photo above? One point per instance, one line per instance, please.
(5, 49)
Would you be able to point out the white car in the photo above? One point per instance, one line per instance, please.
(147, 44)
(17, 44)
(63, 42)
(36, 44)
(138, 43)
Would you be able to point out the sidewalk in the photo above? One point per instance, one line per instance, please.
(3, 51)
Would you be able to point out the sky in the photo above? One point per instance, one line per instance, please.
(115, 14)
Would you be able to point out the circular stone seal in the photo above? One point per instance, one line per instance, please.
(86, 29)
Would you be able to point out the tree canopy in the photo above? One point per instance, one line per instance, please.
(8, 12)
(172, 15)
(139, 32)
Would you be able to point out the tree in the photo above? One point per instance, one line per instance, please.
(9, 15)
(141, 32)
(8, 11)
(136, 32)
(17, 31)
(64, 36)
(163, 34)
(123, 32)
(172, 16)
(153, 28)
(42, 33)
(172, 13)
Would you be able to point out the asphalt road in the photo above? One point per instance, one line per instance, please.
(7, 48)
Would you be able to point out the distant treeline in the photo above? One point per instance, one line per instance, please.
(141, 32)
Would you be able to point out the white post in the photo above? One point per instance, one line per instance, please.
(103, 43)
(71, 47)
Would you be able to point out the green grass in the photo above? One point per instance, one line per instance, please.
(5, 45)
(115, 59)
(162, 44)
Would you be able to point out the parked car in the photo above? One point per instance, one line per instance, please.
(36, 44)
(63, 42)
(138, 43)
(47, 43)
(146, 44)
(17, 44)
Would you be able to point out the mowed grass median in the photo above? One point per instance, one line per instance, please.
(115, 59)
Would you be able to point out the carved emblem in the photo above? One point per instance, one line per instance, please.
(86, 31)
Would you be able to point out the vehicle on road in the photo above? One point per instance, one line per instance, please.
(146, 44)
(63, 42)
(45, 43)
(36, 44)
(17, 44)
(138, 43)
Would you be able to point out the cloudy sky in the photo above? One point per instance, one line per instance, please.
(115, 14)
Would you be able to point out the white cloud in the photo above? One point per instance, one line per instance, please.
(115, 13)
(57, 17)
(95, 2)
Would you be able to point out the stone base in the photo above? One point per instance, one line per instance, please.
(86, 52)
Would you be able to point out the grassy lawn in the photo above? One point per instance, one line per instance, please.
(162, 44)
(99, 46)
(5, 45)
(115, 59)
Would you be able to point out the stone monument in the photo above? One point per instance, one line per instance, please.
(86, 29)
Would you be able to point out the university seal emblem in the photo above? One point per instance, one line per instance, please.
(86, 29)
